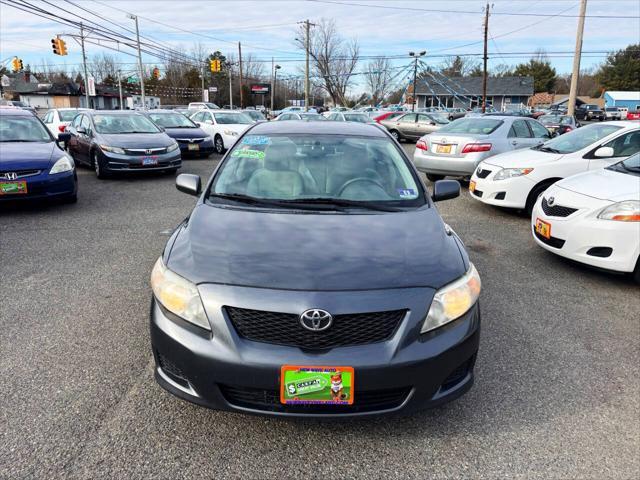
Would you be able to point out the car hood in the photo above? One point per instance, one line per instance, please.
(194, 132)
(604, 184)
(136, 140)
(234, 127)
(522, 158)
(311, 251)
(22, 156)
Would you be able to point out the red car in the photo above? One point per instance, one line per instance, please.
(388, 115)
(633, 115)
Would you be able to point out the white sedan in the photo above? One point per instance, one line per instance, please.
(224, 126)
(594, 217)
(58, 119)
(516, 179)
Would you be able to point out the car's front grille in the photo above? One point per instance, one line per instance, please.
(477, 193)
(145, 151)
(19, 174)
(552, 242)
(556, 210)
(269, 400)
(286, 329)
(189, 140)
(483, 173)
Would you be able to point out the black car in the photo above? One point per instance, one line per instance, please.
(193, 141)
(589, 112)
(121, 141)
(559, 124)
(315, 277)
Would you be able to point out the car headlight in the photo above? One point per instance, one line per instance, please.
(511, 173)
(231, 133)
(178, 295)
(107, 148)
(63, 164)
(627, 211)
(453, 300)
(173, 147)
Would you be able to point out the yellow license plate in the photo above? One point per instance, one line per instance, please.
(472, 186)
(543, 228)
(443, 149)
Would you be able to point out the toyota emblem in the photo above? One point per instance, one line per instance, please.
(551, 201)
(316, 320)
(11, 175)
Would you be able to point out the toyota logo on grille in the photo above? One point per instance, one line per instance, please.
(551, 201)
(316, 320)
(11, 175)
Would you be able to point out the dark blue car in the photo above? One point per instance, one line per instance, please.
(32, 164)
(193, 141)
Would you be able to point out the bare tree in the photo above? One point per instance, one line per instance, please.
(378, 78)
(333, 58)
(103, 65)
(457, 66)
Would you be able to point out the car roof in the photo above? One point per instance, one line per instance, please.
(113, 112)
(15, 112)
(319, 128)
(159, 110)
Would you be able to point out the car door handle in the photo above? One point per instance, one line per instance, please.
(513, 142)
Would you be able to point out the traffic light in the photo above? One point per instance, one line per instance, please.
(156, 73)
(58, 46)
(16, 64)
(214, 65)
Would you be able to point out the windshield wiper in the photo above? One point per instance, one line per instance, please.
(542, 148)
(342, 202)
(137, 131)
(239, 197)
(22, 141)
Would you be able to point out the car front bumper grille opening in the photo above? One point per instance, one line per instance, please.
(269, 400)
(552, 242)
(556, 210)
(286, 329)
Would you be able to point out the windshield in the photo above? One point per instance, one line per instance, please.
(311, 117)
(123, 123)
(67, 115)
(23, 129)
(439, 118)
(611, 109)
(561, 119)
(171, 120)
(483, 126)
(629, 166)
(317, 169)
(578, 139)
(254, 114)
(357, 117)
(224, 118)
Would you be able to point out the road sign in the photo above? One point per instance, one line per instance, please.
(91, 86)
(213, 89)
(260, 88)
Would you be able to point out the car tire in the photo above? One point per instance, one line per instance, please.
(534, 194)
(98, 168)
(396, 134)
(434, 178)
(636, 272)
(219, 145)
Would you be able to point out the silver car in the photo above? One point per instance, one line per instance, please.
(412, 126)
(360, 117)
(457, 148)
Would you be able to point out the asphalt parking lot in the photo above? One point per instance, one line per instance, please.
(557, 391)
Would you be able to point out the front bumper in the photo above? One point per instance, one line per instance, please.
(223, 371)
(441, 165)
(204, 149)
(509, 193)
(584, 238)
(44, 186)
(114, 162)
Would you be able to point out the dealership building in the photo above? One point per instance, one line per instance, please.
(629, 100)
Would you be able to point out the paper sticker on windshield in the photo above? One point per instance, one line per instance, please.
(407, 193)
(257, 154)
(256, 140)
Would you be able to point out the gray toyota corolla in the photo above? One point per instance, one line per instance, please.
(315, 277)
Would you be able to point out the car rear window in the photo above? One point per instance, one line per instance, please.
(67, 115)
(483, 126)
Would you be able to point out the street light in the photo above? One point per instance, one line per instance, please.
(273, 89)
(135, 18)
(415, 75)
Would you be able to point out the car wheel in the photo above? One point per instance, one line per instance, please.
(533, 196)
(434, 178)
(219, 144)
(97, 166)
(636, 271)
(395, 134)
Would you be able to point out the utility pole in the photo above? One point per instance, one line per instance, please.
(308, 26)
(84, 63)
(134, 17)
(120, 89)
(230, 87)
(202, 82)
(575, 73)
(415, 77)
(272, 89)
(485, 58)
(240, 63)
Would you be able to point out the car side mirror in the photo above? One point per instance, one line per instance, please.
(604, 152)
(189, 183)
(64, 137)
(445, 190)
(432, 123)
(81, 130)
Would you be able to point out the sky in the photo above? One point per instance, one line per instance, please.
(267, 28)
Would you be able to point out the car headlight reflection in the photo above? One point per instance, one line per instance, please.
(231, 133)
(511, 173)
(174, 146)
(63, 164)
(627, 211)
(178, 295)
(453, 300)
(107, 148)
